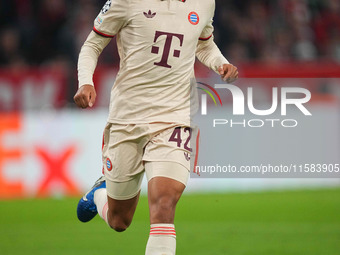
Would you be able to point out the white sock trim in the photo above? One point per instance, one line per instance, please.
(163, 230)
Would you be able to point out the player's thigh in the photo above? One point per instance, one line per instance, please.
(123, 151)
(123, 198)
(123, 167)
(122, 210)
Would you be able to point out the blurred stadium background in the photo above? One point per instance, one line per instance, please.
(50, 151)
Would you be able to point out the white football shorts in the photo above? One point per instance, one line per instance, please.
(159, 149)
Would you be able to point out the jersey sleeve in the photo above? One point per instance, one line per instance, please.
(207, 31)
(207, 51)
(112, 17)
(88, 57)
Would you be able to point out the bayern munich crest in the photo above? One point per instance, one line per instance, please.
(106, 6)
(108, 164)
(193, 18)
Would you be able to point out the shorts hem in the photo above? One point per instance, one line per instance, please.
(120, 180)
(166, 160)
(170, 177)
(122, 197)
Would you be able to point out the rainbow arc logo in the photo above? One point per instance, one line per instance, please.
(211, 92)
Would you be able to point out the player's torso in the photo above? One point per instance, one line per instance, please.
(161, 36)
(157, 46)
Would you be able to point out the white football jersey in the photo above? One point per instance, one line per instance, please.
(157, 42)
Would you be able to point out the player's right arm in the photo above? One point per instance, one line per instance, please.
(110, 20)
(87, 62)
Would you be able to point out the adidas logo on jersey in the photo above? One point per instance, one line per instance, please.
(149, 15)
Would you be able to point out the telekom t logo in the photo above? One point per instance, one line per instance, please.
(167, 47)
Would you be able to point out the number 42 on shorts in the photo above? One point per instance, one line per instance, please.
(177, 135)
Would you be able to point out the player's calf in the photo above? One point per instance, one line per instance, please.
(162, 208)
(163, 195)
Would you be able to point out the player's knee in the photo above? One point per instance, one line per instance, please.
(118, 224)
(119, 228)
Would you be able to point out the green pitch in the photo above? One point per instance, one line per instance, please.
(268, 223)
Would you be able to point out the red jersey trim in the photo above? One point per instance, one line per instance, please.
(205, 39)
(102, 34)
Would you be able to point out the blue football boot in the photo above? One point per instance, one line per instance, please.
(87, 209)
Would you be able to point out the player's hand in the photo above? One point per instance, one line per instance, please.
(85, 96)
(228, 72)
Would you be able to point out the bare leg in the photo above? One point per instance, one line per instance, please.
(120, 212)
(163, 194)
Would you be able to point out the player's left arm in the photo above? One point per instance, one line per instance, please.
(210, 55)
